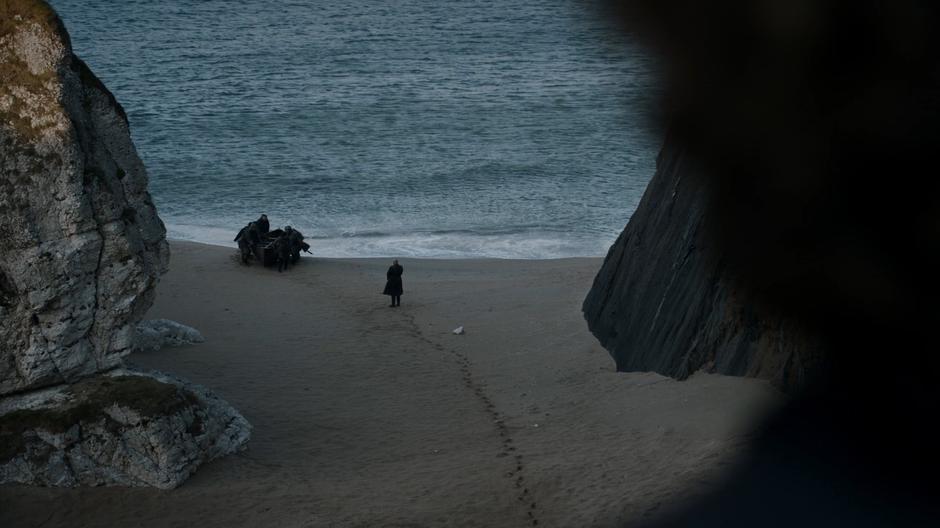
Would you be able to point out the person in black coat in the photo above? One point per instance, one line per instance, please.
(393, 285)
(263, 225)
(296, 243)
(248, 239)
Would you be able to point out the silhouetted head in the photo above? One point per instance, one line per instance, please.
(395, 262)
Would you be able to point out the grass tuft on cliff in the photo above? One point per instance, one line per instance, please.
(15, 75)
(13, 13)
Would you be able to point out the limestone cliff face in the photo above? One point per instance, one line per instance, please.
(81, 245)
(81, 248)
(663, 300)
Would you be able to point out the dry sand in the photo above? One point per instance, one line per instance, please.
(366, 415)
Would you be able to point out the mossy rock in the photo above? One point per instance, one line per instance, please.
(90, 398)
(15, 74)
(16, 12)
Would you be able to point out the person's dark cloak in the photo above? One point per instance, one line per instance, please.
(393, 285)
(263, 225)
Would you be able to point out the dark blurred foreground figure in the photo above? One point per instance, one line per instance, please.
(815, 124)
(393, 285)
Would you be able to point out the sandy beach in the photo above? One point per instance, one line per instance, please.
(365, 415)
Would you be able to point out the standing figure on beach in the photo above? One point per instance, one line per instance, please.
(393, 285)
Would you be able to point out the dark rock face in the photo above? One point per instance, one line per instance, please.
(663, 300)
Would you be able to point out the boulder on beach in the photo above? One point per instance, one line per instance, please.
(121, 428)
(154, 334)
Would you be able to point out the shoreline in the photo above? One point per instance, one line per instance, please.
(234, 247)
(364, 415)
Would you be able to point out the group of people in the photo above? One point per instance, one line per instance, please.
(280, 247)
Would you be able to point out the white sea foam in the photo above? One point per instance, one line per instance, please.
(446, 245)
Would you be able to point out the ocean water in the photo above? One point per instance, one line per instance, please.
(432, 128)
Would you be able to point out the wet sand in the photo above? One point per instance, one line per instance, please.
(365, 415)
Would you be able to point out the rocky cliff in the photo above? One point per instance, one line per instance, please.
(81, 249)
(82, 245)
(663, 300)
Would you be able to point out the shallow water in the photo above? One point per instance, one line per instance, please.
(428, 128)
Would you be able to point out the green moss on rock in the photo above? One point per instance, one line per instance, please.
(15, 75)
(15, 12)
